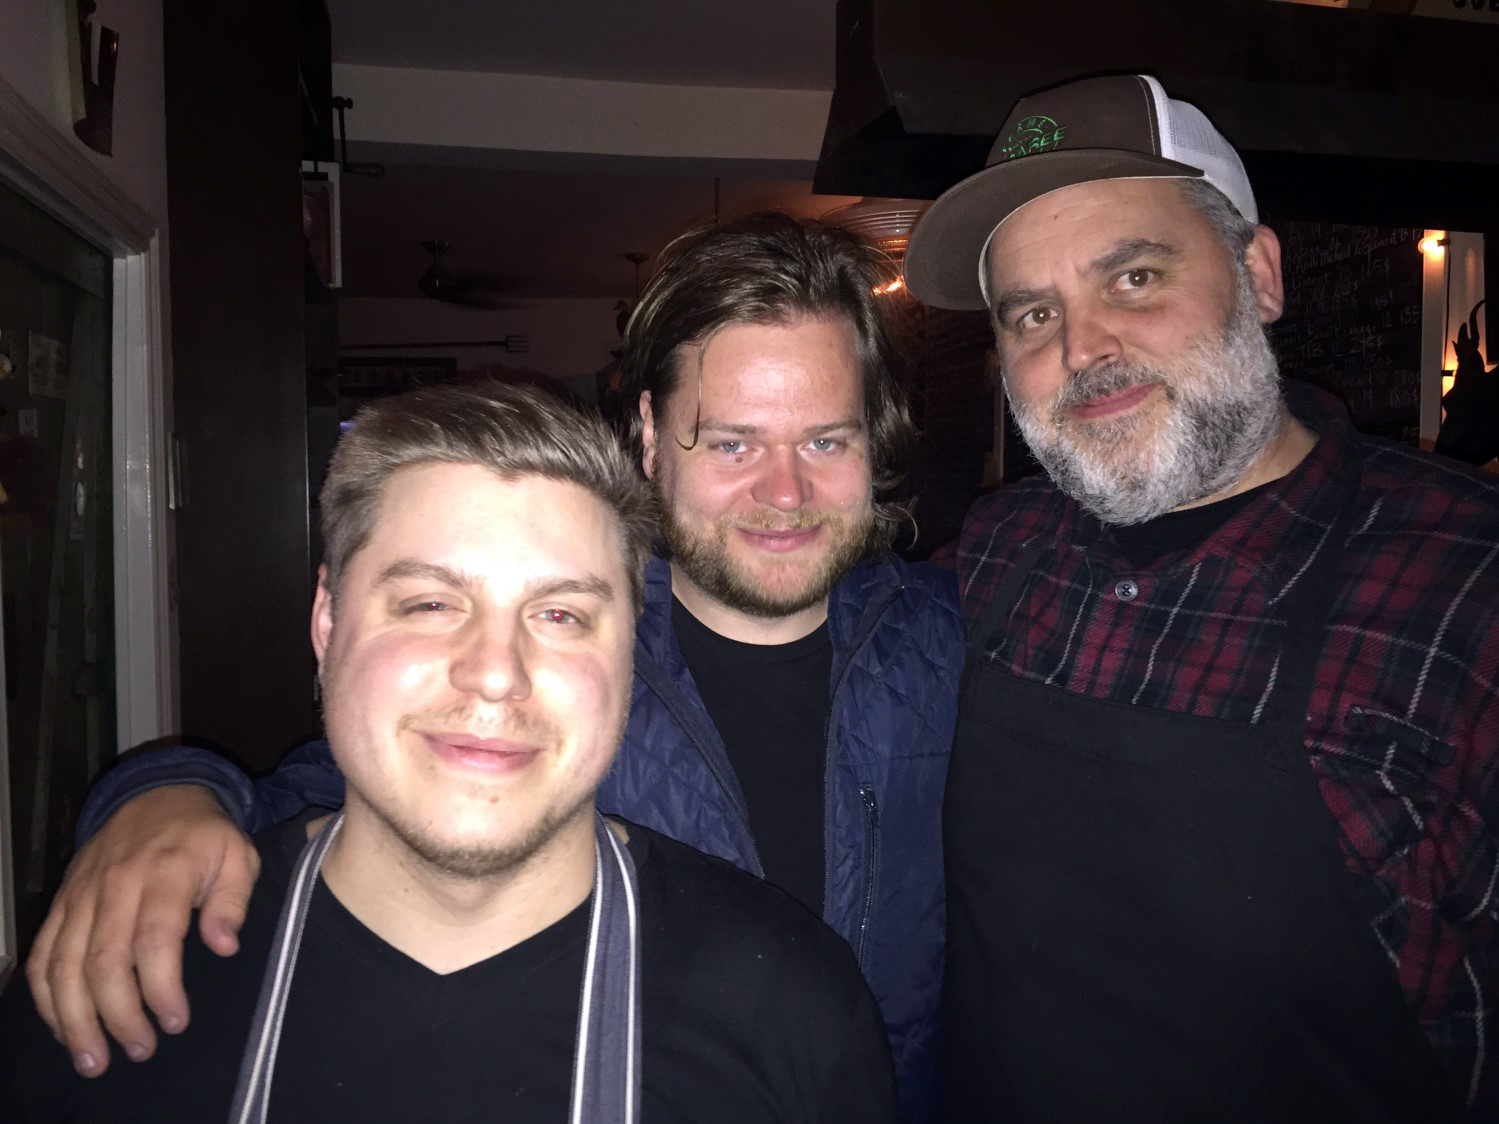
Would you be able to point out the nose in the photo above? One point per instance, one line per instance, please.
(1088, 338)
(783, 482)
(490, 660)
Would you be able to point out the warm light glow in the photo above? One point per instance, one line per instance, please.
(890, 287)
(1434, 245)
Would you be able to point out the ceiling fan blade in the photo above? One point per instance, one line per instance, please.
(468, 290)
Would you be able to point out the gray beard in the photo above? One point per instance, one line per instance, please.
(1224, 408)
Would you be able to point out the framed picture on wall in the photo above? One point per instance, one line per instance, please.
(322, 222)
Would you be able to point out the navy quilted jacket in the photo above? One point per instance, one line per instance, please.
(897, 654)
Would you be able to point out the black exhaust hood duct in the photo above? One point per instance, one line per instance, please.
(1352, 115)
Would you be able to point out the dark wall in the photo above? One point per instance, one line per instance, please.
(952, 402)
(233, 151)
(1352, 322)
(1287, 78)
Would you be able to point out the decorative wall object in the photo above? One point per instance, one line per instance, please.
(94, 78)
(1470, 427)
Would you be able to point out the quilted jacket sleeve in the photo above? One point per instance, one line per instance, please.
(307, 777)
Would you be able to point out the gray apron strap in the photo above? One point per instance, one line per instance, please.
(252, 1092)
(606, 1059)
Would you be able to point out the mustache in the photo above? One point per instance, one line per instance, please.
(1084, 386)
(783, 521)
(507, 722)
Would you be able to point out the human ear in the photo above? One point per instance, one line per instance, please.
(647, 435)
(1262, 258)
(322, 615)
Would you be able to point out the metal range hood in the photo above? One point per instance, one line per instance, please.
(1318, 99)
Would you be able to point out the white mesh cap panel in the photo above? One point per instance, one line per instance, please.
(1189, 137)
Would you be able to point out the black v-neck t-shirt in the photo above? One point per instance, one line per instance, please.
(751, 1010)
(770, 704)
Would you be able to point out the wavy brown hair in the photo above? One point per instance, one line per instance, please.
(771, 268)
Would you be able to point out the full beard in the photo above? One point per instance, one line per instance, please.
(1223, 409)
(704, 557)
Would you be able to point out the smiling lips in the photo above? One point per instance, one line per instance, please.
(488, 755)
(1117, 402)
(781, 542)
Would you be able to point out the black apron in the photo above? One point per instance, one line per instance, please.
(1149, 915)
(606, 1057)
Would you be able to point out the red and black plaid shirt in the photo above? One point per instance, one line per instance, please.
(1403, 732)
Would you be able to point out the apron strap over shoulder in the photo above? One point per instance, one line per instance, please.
(606, 1064)
(606, 1059)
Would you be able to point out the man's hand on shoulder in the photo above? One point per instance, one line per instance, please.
(122, 914)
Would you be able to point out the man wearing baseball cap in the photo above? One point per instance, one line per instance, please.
(1222, 820)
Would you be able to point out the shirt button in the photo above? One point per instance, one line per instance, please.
(1126, 590)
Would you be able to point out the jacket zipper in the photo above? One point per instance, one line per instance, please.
(871, 620)
(871, 865)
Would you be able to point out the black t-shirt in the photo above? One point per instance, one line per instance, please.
(770, 704)
(751, 1010)
(1143, 543)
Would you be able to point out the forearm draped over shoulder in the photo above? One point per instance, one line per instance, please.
(306, 777)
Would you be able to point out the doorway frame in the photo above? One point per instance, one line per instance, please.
(51, 170)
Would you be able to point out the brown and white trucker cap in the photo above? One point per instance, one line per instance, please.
(1115, 127)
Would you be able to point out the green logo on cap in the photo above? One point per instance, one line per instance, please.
(1032, 135)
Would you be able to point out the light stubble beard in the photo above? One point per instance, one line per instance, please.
(478, 862)
(705, 558)
(1223, 409)
(472, 862)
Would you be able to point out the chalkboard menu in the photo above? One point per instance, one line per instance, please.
(1352, 323)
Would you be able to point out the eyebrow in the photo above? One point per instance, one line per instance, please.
(818, 430)
(432, 571)
(1008, 302)
(589, 585)
(1126, 252)
(1011, 300)
(406, 568)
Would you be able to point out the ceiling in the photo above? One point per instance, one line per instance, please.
(556, 225)
(538, 234)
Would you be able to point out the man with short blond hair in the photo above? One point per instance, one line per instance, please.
(795, 683)
(468, 937)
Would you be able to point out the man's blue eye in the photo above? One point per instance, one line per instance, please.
(730, 446)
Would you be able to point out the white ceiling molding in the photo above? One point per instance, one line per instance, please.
(57, 168)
